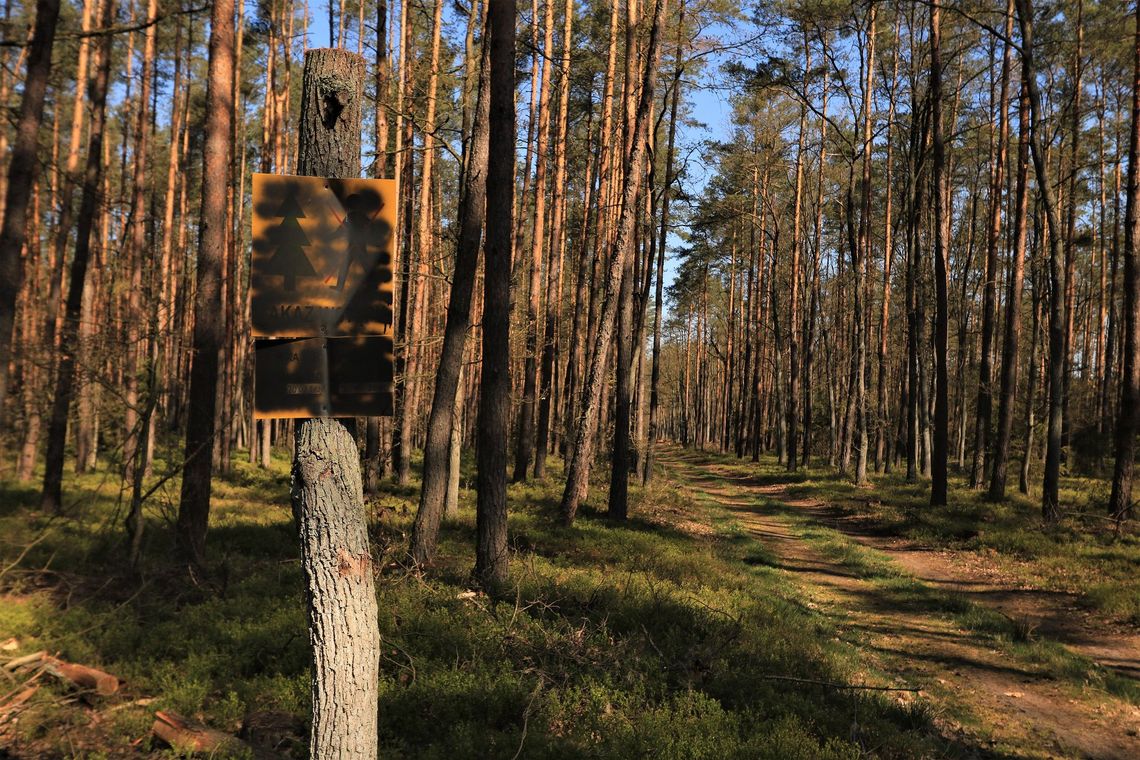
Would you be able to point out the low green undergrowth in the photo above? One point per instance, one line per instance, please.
(1083, 554)
(668, 636)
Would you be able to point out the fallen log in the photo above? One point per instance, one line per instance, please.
(103, 684)
(184, 735)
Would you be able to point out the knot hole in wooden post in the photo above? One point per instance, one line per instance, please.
(336, 94)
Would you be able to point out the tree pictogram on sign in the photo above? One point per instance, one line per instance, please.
(289, 260)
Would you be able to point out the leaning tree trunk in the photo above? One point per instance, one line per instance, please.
(1120, 503)
(472, 210)
(328, 498)
(993, 238)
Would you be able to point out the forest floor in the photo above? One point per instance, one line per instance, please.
(740, 612)
(1030, 671)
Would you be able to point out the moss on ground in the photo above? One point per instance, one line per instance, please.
(665, 636)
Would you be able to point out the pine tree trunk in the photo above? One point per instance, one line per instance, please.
(658, 302)
(197, 471)
(939, 448)
(472, 211)
(1013, 309)
(491, 562)
(527, 413)
(577, 479)
(22, 169)
(1050, 504)
(984, 408)
(547, 407)
(52, 496)
(1120, 501)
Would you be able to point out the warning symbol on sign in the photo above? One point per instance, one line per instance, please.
(322, 256)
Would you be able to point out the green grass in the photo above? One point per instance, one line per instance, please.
(664, 636)
(892, 505)
(1083, 554)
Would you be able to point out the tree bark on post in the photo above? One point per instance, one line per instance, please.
(327, 493)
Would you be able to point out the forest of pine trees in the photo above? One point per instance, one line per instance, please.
(896, 254)
(869, 237)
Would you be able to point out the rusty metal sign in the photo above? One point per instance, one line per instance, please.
(322, 256)
(321, 296)
(323, 377)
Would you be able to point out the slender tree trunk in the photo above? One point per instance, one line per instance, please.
(1013, 309)
(993, 237)
(23, 167)
(51, 499)
(793, 399)
(577, 479)
(1050, 504)
(557, 250)
(1120, 501)
(495, 383)
(658, 302)
(527, 418)
(941, 259)
(472, 209)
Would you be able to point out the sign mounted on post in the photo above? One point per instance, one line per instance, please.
(322, 272)
(322, 256)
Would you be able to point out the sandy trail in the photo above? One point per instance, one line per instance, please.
(1023, 712)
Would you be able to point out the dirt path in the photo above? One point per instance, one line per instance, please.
(1007, 707)
(1056, 615)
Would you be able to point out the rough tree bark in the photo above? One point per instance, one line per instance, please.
(22, 169)
(51, 498)
(1120, 502)
(327, 493)
(194, 507)
(472, 210)
(577, 479)
(495, 383)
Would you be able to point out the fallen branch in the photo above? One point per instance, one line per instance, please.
(834, 685)
(29, 659)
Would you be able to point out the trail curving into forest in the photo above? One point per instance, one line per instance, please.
(904, 606)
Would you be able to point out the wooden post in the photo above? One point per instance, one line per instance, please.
(327, 493)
